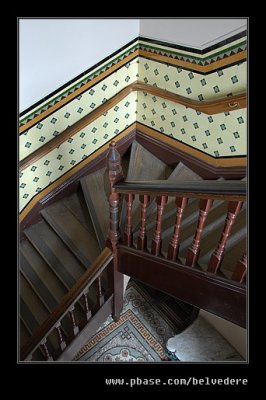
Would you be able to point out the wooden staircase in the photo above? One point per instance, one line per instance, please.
(69, 279)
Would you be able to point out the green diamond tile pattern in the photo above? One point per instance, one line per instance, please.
(194, 128)
(194, 85)
(53, 165)
(70, 113)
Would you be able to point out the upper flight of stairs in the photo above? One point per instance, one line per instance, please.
(56, 251)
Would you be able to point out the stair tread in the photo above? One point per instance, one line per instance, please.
(97, 203)
(32, 311)
(144, 166)
(63, 263)
(76, 204)
(42, 278)
(24, 334)
(72, 233)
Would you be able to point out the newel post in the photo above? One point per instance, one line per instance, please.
(114, 174)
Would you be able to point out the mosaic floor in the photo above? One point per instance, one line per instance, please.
(148, 319)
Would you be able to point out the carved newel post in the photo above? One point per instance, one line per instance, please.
(114, 174)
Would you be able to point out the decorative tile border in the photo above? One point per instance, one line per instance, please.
(135, 48)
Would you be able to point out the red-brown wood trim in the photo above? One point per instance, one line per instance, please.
(212, 293)
(210, 107)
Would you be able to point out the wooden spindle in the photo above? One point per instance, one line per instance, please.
(128, 227)
(46, 351)
(142, 237)
(194, 251)
(157, 238)
(217, 256)
(114, 174)
(173, 248)
(240, 270)
(87, 309)
(73, 320)
(62, 343)
(100, 295)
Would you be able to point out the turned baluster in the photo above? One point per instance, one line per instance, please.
(128, 228)
(87, 309)
(157, 238)
(46, 351)
(173, 248)
(240, 270)
(194, 250)
(217, 256)
(100, 295)
(142, 237)
(73, 320)
(62, 343)
(114, 174)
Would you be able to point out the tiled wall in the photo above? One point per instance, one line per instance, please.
(66, 116)
(218, 135)
(46, 170)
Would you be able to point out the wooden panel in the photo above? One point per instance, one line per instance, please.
(213, 294)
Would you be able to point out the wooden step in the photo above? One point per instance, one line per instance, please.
(77, 206)
(63, 263)
(24, 334)
(82, 244)
(32, 311)
(95, 197)
(40, 276)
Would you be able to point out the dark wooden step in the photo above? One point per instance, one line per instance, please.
(95, 197)
(40, 276)
(24, 334)
(63, 263)
(77, 206)
(32, 311)
(82, 244)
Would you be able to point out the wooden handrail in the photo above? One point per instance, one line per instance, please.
(206, 189)
(209, 107)
(68, 301)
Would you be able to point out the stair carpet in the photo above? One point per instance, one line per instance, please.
(72, 233)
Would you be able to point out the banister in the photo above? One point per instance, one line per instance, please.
(208, 107)
(68, 301)
(232, 190)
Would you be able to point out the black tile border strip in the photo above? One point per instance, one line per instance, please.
(138, 38)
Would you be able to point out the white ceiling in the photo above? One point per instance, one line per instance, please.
(197, 32)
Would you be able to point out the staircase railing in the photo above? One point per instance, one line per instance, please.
(231, 289)
(52, 334)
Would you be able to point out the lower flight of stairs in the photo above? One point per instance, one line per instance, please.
(56, 251)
